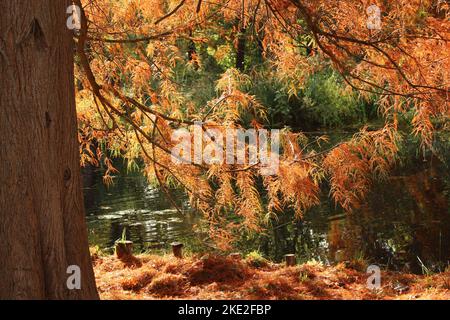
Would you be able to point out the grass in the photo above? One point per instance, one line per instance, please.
(217, 277)
(425, 270)
(256, 260)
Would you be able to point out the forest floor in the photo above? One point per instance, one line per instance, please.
(223, 278)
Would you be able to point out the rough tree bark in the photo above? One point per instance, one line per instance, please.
(42, 223)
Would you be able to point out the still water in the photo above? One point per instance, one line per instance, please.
(147, 215)
(404, 225)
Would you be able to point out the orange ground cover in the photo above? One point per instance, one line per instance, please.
(215, 277)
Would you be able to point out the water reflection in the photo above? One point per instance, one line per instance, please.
(149, 218)
(405, 218)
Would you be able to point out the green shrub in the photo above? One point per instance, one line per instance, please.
(326, 102)
(255, 259)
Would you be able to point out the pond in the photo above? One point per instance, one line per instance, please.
(404, 225)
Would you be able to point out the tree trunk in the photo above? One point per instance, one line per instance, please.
(241, 40)
(240, 51)
(42, 223)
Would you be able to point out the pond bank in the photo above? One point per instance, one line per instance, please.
(223, 278)
(404, 219)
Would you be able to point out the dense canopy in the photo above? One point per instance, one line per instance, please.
(146, 68)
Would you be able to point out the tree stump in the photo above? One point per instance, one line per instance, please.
(124, 249)
(177, 249)
(290, 260)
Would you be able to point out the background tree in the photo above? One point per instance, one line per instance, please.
(42, 223)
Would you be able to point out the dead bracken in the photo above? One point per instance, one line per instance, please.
(217, 277)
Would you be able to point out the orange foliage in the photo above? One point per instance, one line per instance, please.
(130, 104)
(353, 166)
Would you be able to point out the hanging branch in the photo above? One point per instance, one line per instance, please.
(171, 13)
(199, 6)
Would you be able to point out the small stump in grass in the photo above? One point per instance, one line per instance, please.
(290, 260)
(177, 249)
(236, 256)
(124, 249)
